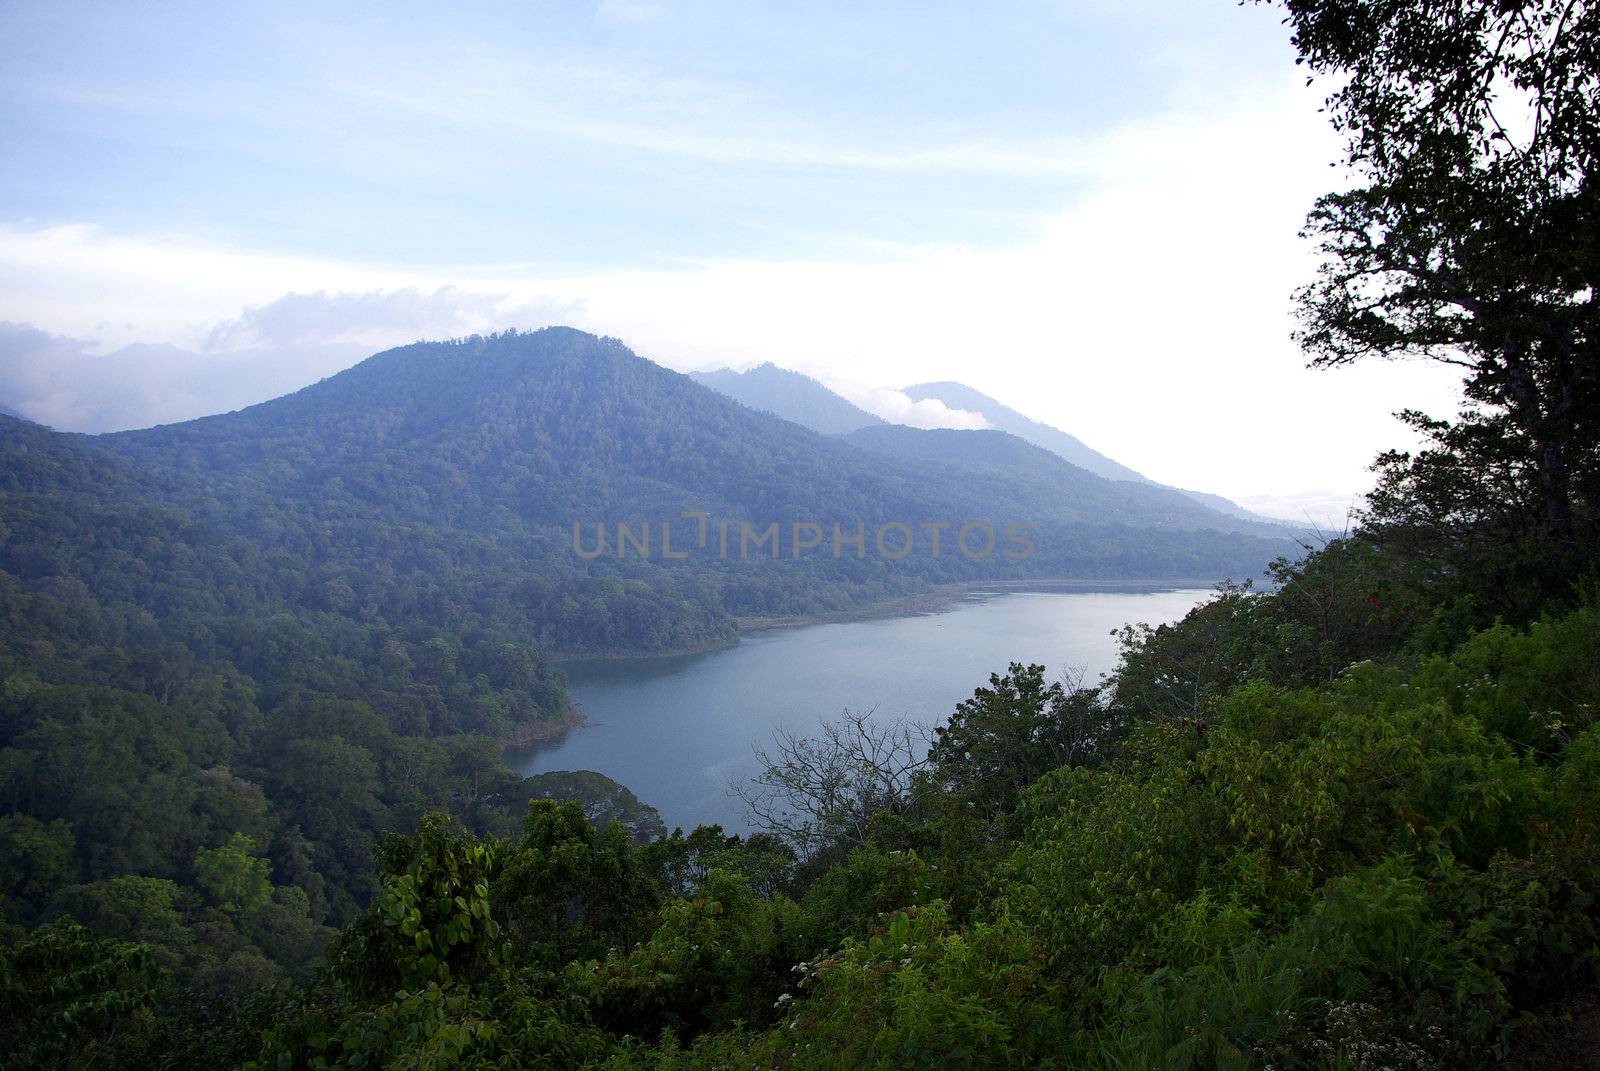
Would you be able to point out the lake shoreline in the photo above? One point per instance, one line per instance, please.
(544, 732)
(934, 600)
(945, 596)
(679, 731)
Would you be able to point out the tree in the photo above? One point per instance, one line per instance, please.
(234, 877)
(431, 923)
(1013, 732)
(823, 792)
(569, 890)
(72, 999)
(1474, 126)
(35, 859)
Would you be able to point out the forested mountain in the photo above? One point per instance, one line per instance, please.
(423, 503)
(789, 395)
(253, 669)
(805, 401)
(1007, 465)
(497, 446)
(265, 636)
(1058, 442)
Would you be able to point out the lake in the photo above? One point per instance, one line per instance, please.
(678, 731)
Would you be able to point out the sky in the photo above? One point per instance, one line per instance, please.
(1088, 210)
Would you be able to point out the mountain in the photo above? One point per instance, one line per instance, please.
(804, 401)
(1003, 417)
(272, 633)
(528, 433)
(790, 395)
(402, 534)
(1006, 463)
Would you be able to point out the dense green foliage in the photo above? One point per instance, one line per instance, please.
(1350, 821)
(1385, 869)
(235, 651)
(1345, 821)
(1384, 864)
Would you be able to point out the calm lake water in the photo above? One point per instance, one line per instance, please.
(678, 731)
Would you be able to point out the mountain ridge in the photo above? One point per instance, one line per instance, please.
(1069, 447)
(804, 400)
(443, 482)
(606, 409)
(791, 395)
(1003, 417)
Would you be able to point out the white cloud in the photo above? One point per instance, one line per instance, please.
(84, 281)
(381, 318)
(895, 407)
(266, 351)
(1150, 318)
(711, 123)
(503, 99)
(63, 382)
(1330, 512)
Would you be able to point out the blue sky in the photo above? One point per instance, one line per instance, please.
(1087, 209)
(567, 135)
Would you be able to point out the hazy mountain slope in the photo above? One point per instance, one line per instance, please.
(38, 460)
(1003, 461)
(789, 395)
(435, 487)
(539, 429)
(547, 428)
(401, 533)
(1003, 417)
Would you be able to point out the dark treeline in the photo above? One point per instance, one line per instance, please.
(255, 669)
(233, 652)
(1348, 820)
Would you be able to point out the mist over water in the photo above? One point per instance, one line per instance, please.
(678, 731)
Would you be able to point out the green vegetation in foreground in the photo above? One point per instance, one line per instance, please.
(1349, 823)
(1385, 865)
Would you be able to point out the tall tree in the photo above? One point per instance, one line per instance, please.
(1474, 128)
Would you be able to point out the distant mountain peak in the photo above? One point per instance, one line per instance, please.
(794, 396)
(1068, 447)
(1001, 416)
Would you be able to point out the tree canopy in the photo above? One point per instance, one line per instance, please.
(1473, 133)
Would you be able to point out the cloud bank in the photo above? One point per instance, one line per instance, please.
(381, 318)
(1150, 317)
(66, 383)
(75, 384)
(895, 407)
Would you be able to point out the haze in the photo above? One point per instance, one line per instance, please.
(1088, 211)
